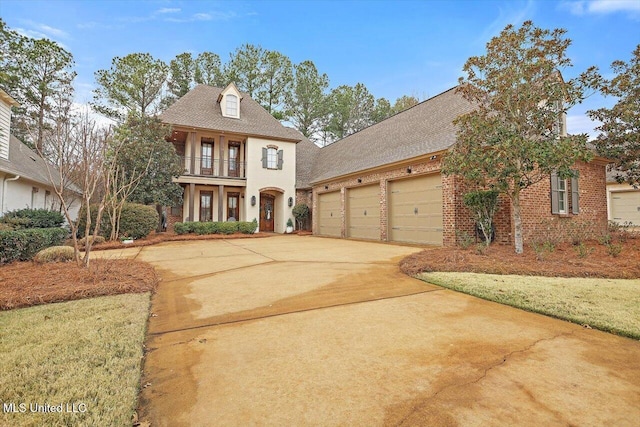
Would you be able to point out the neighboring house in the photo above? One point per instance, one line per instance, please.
(385, 183)
(24, 181)
(239, 161)
(623, 202)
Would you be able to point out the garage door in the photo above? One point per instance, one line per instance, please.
(363, 212)
(329, 221)
(415, 210)
(625, 207)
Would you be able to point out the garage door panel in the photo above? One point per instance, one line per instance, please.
(625, 207)
(363, 212)
(415, 210)
(329, 221)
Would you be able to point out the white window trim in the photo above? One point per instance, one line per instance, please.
(228, 111)
(563, 196)
(272, 158)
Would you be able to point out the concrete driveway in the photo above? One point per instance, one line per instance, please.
(293, 330)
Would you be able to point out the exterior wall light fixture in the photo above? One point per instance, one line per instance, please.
(253, 200)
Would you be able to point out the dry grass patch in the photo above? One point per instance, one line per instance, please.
(611, 305)
(85, 353)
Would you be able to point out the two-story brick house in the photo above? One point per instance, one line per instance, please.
(239, 161)
(383, 183)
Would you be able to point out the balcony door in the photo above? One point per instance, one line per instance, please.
(206, 160)
(234, 156)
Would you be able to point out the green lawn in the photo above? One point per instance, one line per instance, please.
(85, 355)
(612, 305)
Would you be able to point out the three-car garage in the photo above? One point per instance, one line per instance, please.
(412, 212)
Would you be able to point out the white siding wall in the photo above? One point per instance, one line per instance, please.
(5, 122)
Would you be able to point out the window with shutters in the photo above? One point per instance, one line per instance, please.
(272, 158)
(560, 195)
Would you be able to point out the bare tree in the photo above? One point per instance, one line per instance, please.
(75, 151)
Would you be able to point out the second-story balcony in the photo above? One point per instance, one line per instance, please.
(210, 167)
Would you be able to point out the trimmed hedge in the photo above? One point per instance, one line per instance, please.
(33, 218)
(136, 221)
(22, 245)
(201, 228)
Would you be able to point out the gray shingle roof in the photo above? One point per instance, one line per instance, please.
(306, 154)
(25, 162)
(422, 129)
(199, 109)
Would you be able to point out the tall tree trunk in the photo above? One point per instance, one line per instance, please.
(517, 221)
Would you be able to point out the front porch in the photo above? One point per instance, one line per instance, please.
(203, 202)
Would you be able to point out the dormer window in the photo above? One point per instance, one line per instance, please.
(232, 105)
(229, 100)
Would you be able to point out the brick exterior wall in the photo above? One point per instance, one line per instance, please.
(306, 196)
(537, 218)
(457, 219)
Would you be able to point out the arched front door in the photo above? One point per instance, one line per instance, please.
(266, 212)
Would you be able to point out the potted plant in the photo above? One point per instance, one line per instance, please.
(289, 226)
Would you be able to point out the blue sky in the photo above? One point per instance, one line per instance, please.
(393, 47)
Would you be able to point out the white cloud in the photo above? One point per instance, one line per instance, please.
(202, 17)
(609, 6)
(506, 16)
(169, 10)
(601, 6)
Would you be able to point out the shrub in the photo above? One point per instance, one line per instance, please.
(614, 249)
(579, 231)
(205, 227)
(136, 221)
(483, 206)
(22, 245)
(227, 227)
(34, 218)
(464, 239)
(55, 254)
(583, 250)
(183, 227)
(247, 227)
(6, 227)
(542, 248)
(300, 213)
(94, 241)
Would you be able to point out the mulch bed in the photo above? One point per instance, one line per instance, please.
(499, 259)
(24, 284)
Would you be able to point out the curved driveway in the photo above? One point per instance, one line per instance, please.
(301, 330)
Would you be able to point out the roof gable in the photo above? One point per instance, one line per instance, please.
(199, 108)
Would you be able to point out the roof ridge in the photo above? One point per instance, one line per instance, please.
(393, 115)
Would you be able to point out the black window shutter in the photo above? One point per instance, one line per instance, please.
(280, 159)
(554, 194)
(264, 157)
(575, 196)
